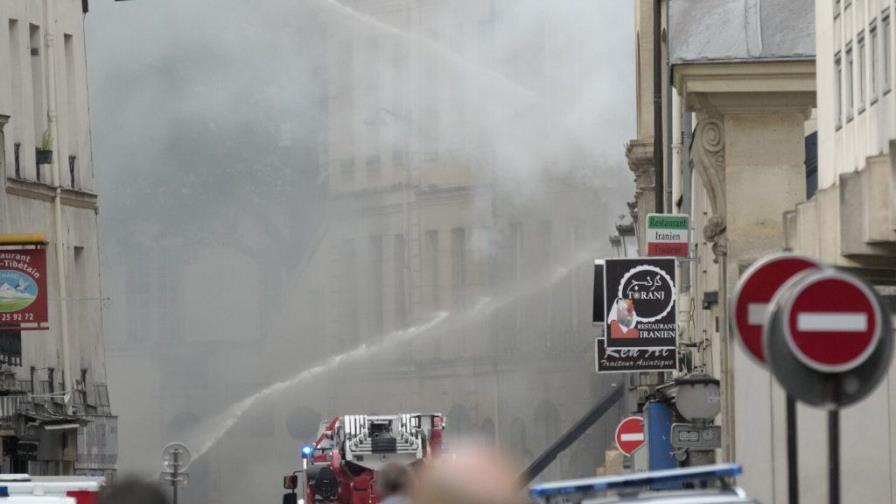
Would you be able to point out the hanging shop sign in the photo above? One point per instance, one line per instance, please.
(23, 289)
(640, 326)
(667, 235)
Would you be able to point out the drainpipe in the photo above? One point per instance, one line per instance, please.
(658, 182)
(57, 200)
(676, 171)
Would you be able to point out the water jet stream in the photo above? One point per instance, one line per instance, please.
(208, 433)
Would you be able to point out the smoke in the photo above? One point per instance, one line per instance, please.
(225, 134)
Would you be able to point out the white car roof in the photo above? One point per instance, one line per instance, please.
(49, 487)
(38, 499)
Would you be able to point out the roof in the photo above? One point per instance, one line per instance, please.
(737, 30)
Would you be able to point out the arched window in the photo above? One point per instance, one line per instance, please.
(459, 421)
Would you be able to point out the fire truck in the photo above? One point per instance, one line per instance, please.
(340, 467)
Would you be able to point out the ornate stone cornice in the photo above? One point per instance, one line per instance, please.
(640, 161)
(709, 152)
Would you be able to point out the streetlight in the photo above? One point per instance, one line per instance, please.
(616, 243)
(625, 230)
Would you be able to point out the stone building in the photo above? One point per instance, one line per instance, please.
(54, 403)
(850, 220)
(430, 217)
(741, 125)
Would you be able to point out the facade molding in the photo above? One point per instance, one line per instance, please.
(43, 192)
(709, 150)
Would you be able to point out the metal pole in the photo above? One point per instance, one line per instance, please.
(176, 470)
(834, 456)
(793, 485)
(658, 182)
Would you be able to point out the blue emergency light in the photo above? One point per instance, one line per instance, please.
(637, 480)
(307, 450)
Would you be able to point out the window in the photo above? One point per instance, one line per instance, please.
(373, 167)
(73, 170)
(398, 252)
(376, 284)
(349, 279)
(838, 96)
(17, 158)
(71, 109)
(836, 8)
(102, 394)
(432, 266)
(850, 70)
(885, 53)
(872, 34)
(398, 156)
(347, 169)
(37, 84)
(458, 264)
(860, 80)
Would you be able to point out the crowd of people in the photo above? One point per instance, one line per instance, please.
(471, 474)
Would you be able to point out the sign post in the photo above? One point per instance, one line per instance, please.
(750, 306)
(668, 235)
(630, 435)
(175, 460)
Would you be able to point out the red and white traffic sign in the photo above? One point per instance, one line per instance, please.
(755, 291)
(833, 323)
(630, 434)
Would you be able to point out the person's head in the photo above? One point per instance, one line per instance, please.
(473, 474)
(132, 491)
(392, 479)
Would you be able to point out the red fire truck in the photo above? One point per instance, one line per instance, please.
(340, 467)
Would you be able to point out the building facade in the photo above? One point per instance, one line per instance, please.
(850, 220)
(430, 217)
(56, 417)
(746, 110)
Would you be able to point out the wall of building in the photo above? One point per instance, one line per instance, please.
(27, 196)
(863, 127)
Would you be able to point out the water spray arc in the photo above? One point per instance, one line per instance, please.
(212, 431)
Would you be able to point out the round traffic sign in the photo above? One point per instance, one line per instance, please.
(827, 338)
(833, 323)
(755, 290)
(630, 434)
(176, 456)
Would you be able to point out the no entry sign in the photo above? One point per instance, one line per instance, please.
(828, 338)
(833, 323)
(755, 291)
(630, 434)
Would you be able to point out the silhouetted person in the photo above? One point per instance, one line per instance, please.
(393, 482)
(474, 474)
(133, 491)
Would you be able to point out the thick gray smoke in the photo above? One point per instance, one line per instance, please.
(222, 131)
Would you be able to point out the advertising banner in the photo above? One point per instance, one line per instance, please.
(640, 328)
(23, 289)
